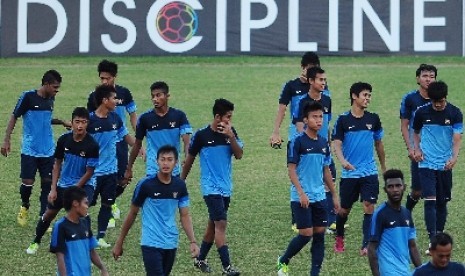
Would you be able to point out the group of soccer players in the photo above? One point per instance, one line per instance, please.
(432, 129)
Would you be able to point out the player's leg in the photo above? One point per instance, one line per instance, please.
(428, 181)
(90, 191)
(319, 215)
(208, 238)
(415, 194)
(369, 195)
(169, 256)
(329, 200)
(349, 190)
(107, 198)
(28, 172)
(122, 157)
(443, 196)
(45, 167)
(153, 260)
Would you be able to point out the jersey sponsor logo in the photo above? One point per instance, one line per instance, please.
(87, 233)
(407, 222)
(172, 124)
(323, 150)
(175, 194)
(36, 106)
(309, 149)
(211, 142)
(228, 141)
(97, 128)
(119, 101)
(325, 109)
(66, 149)
(428, 120)
(447, 122)
(369, 126)
(82, 153)
(73, 236)
(156, 194)
(392, 222)
(113, 126)
(298, 91)
(351, 127)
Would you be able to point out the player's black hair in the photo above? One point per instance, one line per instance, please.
(312, 72)
(80, 112)
(358, 87)
(222, 106)
(167, 149)
(426, 67)
(108, 66)
(441, 239)
(437, 90)
(71, 194)
(103, 92)
(310, 58)
(393, 173)
(160, 85)
(50, 77)
(310, 107)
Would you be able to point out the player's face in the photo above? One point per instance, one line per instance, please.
(440, 257)
(79, 125)
(394, 189)
(319, 83)
(226, 119)
(110, 102)
(166, 162)
(159, 98)
(439, 105)
(82, 207)
(107, 79)
(314, 120)
(425, 79)
(363, 99)
(52, 89)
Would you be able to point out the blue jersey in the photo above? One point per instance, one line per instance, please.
(76, 156)
(452, 269)
(436, 130)
(358, 136)
(215, 160)
(37, 124)
(107, 132)
(124, 102)
(392, 229)
(310, 157)
(75, 241)
(159, 203)
(160, 131)
(325, 101)
(410, 103)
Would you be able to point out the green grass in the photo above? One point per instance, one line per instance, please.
(259, 218)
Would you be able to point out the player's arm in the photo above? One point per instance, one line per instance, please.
(275, 136)
(303, 198)
(56, 171)
(328, 178)
(132, 158)
(404, 129)
(186, 168)
(236, 148)
(456, 142)
(133, 120)
(373, 258)
(186, 141)
(64, 123)
(61, 267)
(379, 146)
(6, 147)
(95, 258)
(418, 153)
(337, 147)
(414, 253)
(127, 224)
(186, 222)
(87, 175)
(131, 140)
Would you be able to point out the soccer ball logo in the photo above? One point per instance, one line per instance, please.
(177, 22)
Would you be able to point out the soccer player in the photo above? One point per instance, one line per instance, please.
(440, 264)
(355, 134)
(159, 196)
(308, 161)
(215, 143)
(76, 156)
(392, 233)
(107, 128)
(437, 137)
(425, 74)
(35, 106)
(163, 125)
(72, 240)
(108, 72)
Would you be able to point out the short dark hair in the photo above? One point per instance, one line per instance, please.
(167, 149)
(80, 112)
(107, 66)
(310, 107)
(101, 92)
(358, 87)
(160, 85)
(222, 106)
(441, 239)
(393, 173)
(312, 72)
(426, 67)
(437, 90)
(51, 76)
(310, 58)
(71, 194)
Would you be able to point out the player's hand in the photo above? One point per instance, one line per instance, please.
(127, 176)
(347, 166)
(104, 273)
(142, 154)
(195, 250)
(304, 201)
(117, 251)
(225, 128)
(5, 150)
(303, 76)
(276, 141)
(337, 206)
(411, 154)
(67, 124)
(418, 155)
(52, 196)
(450, 163)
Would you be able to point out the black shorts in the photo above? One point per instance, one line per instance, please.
(217, 206)
(313, 216)
(106, 188)
(30, 165)
(58, 203)
(351, 189)
(122, 156)
(158, 261)
(436, 183)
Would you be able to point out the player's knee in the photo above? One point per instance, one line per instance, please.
(415, 194)
(368, 207)
(343, 212)
(28, 182)
(306, 232)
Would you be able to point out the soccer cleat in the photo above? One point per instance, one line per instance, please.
(339, 245)
(32, 249)
(363, 252)
(103, 244)
(202, 265)
(283, 269)
(111, 223)
(331, 229)
(230, 271)
(22, 216)
(294, 228)
(115, 211)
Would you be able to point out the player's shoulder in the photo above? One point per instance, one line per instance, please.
(122, 89)
(66, 135)
(176, 111)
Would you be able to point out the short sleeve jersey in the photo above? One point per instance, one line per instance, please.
(410, 103)
(298, 116)
(452, 269)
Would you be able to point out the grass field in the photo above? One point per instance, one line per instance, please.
(259, 218)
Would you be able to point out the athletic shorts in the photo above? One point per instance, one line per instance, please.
(416, 184)
(122, 156)
(351, 189)
(58, 203)
(313, 216)
(217, 206)
(158, 261)
(436, 183)
(106, 188)
(30, 165)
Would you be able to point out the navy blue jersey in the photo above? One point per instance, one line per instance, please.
(159, 203)
(215, 160)
(452, 269)
(124, 102)
(310, 157)
(298, 116)
(75, 241)
(160, 131)
(76, 156)
(410, 103)
(358, 136)
(392, 229)
(436, 130)
(37, 124)
(107, 132)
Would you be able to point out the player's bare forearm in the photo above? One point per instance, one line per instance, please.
(61, 267)
(133, 120)
(456, 142)
(86, 177)
(275, 136)
(328, 179)
(186, 141)
(303, 198)
(404, 125)
(6, 146)
(56, 171)
(236, 148)
(130, 140)
(414, 253)
(186, 222)
(186, 168)
(379, 146)
(127, 224)
(337, 148)
(56, 121)
(134, 152)
(373, 258)
(95, 258)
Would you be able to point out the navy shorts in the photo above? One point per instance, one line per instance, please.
(313, 216)
(436, 183)
(106, 188)
(122, 156)
(332, 169)
(157, 261)
(30, 165)
(416, 184)
(351, 189)
(58, 203)
(217, 206)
